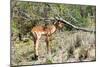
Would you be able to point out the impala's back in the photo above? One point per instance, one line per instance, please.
(49, 29)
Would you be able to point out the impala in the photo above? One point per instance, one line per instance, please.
(47, 31)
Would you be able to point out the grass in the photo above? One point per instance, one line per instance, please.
(69, 46)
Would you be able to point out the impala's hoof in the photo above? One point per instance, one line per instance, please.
(35, 57)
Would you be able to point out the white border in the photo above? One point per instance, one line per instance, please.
(84, 2)
(5, 33)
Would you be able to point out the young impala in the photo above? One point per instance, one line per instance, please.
(47, 31)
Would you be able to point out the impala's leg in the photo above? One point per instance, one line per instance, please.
(34, 39)
(48, 45)
(35, 48)
(36, 45)
(36, 42)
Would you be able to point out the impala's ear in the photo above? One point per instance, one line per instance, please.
(55, 22)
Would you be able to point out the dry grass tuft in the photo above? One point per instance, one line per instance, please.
(66, 47)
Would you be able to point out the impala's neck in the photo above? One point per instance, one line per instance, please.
(56, 26)
(53, 29)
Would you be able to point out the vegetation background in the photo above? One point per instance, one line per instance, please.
(68, 44)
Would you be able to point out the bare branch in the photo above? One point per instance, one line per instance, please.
(76, 27)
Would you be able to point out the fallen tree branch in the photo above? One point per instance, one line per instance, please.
(76, 27)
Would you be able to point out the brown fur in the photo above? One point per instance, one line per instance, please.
(48, 30)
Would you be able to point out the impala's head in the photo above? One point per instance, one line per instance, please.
(59, 23)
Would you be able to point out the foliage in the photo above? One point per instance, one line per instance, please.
(75, 14)
(69, 45)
